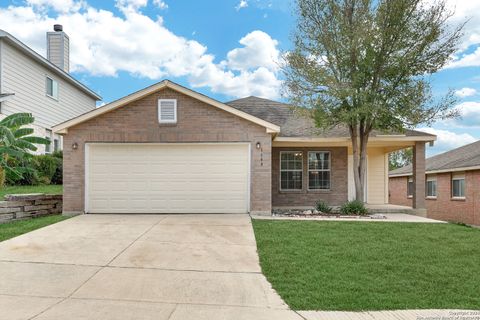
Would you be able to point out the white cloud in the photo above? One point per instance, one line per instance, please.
(465, 60)
(160, 4)
(447, 140)
(469, 115)
(259, 50)
(57, 5)
(465, 92)
(466, 10)
(242, 4)
(104, 44)
(132, 5)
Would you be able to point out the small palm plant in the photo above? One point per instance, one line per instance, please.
(17, 142)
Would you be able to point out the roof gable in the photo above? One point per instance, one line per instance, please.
(63, 127)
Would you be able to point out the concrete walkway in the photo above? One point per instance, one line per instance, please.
(390, 217)
(133, 267)
(393, 315)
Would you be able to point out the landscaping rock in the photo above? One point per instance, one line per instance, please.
(378, 216)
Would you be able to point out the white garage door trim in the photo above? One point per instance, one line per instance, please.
(87, 156)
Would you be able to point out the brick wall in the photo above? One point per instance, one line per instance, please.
(26, 206)
(138, 122)
(444, 207)
(337, 195)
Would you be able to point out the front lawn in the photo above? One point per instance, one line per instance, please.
(47, 189)
(15, 228)
(326, 265)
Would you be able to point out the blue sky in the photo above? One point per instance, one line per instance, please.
(225, 49)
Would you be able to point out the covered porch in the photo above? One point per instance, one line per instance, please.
(376, 184)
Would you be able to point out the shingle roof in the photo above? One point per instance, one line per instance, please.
(293, 121)
(463, 157)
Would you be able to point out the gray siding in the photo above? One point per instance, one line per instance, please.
(27, 79)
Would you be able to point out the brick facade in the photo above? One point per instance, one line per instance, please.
(337, 195)
(444, 207)
(138, 122)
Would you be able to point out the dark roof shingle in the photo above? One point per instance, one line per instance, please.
(463, 157)
(294, 121)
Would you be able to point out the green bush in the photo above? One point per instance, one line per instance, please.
(354, 207)
(26, 168)
(323, 207)
(37, 169)
(46, 165)
(58, 175)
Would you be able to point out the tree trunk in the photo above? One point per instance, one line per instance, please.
(356, 164)
(359, 148)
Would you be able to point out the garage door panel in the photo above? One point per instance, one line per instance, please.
(174, 178)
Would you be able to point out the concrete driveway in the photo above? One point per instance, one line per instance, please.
(132, 267)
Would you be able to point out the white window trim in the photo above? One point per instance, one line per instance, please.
(159, 111)
(46, 87)
(319, 170)
(431, 179)
(287, 170)
(458, 176)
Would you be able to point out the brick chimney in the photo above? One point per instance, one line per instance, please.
(58, 48)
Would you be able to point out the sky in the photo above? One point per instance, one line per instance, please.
(225, 49)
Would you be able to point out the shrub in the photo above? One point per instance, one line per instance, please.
(353, 207)
(26, 168)
(323, 207)
(46, 165)
(37, 169)
(58, 175)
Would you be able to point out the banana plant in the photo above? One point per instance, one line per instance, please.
(17, 141)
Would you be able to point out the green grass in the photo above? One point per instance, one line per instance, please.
(48, 189)
(326, 265)
(15, 228)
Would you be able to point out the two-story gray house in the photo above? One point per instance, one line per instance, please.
(42, 86)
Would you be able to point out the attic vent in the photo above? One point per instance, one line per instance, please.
(167, 111)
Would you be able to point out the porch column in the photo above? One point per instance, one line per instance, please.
(419, 178)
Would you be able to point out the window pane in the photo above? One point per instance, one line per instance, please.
(319, 180)
(291, 180)
(458, 188)
(291, 161)
(49, 87)
(431, 188)
(410, 188)
(318, 160)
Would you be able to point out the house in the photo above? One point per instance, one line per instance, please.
(43, 87)
(452, 191)
(169, 149)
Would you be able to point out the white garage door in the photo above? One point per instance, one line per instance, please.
(167, 178)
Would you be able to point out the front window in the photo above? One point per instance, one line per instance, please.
(431, 187)
(458, 186)
(291, 167)
(410, 187)
(319, 170)
(52, 88)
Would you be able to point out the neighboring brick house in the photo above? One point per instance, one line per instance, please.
(42, 86)
(452, 187)
(169, 149)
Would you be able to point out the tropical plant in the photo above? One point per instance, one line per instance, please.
(17, 142)
(366, 65)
